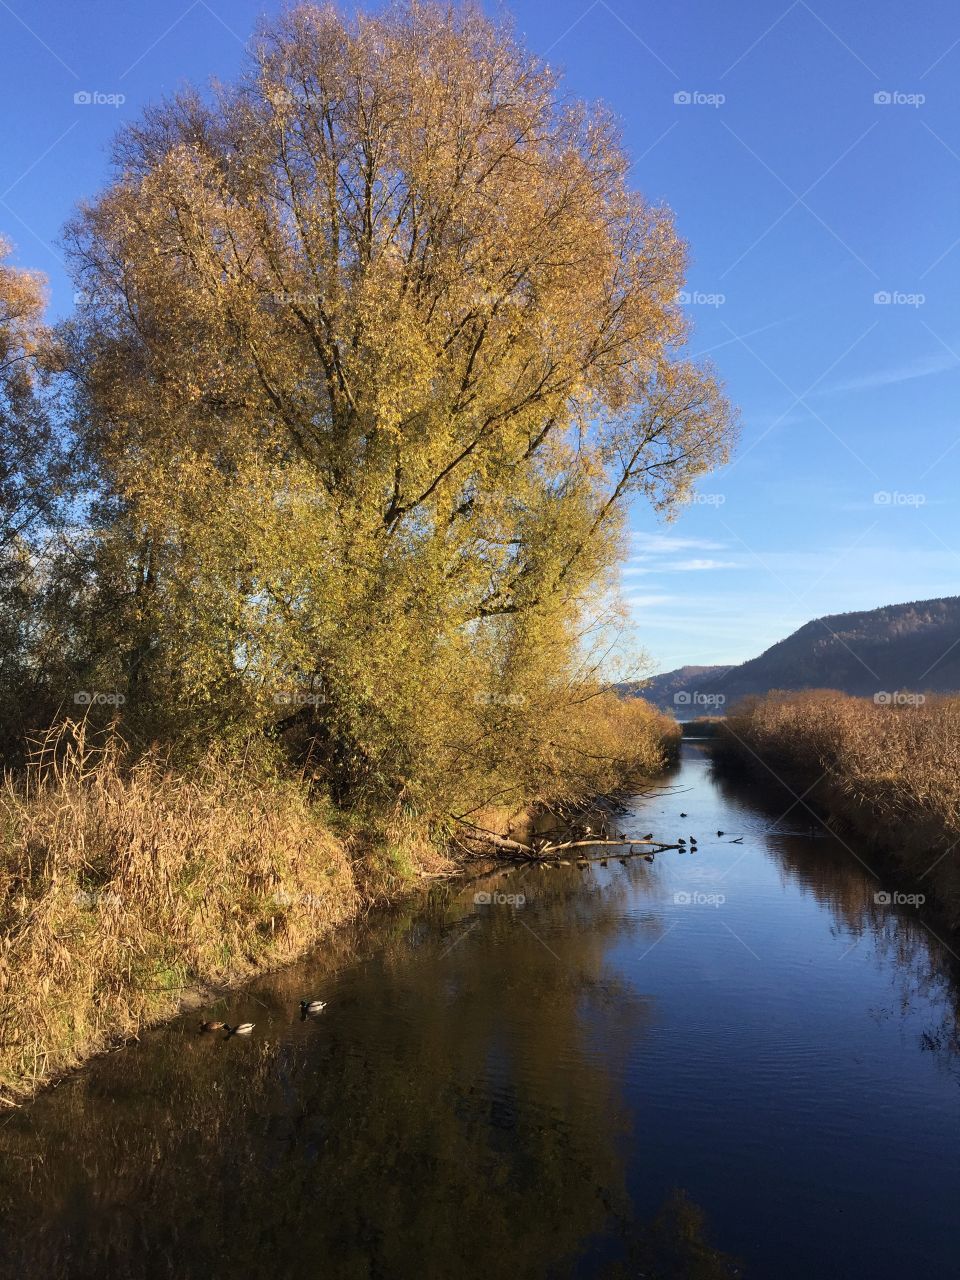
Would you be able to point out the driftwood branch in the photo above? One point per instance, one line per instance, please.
(527, 853)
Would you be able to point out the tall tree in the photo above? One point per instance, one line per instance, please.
(380, 345)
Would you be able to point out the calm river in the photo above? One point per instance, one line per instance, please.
(731, 1063)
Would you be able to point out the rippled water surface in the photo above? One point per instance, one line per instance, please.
(731, 1063)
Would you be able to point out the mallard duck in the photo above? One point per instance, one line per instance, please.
(719, 833)
(212, 1026)
(241, 1029)
(648, 836)
(312, 1006)
(683, 815)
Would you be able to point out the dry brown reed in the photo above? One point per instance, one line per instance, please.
(123, 887)
(889, 768)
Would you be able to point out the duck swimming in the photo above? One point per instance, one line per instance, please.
(212, 1026)
(241, 1029)
(312, 1006)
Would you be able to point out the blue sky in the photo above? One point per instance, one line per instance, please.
(812, 156)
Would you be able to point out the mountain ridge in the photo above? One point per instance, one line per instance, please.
(912, 646)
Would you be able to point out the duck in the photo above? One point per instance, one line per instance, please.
(212, 1026)
(683, 815)
(648, 836)
(241, 1029)
(312, 1006)
(648, 857)
(720, 833)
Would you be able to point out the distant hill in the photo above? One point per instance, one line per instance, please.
(912, 646)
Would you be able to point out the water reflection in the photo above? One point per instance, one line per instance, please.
(913, 947)
(445, 1116)
(581, 1077)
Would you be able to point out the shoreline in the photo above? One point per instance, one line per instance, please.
(161, 893)
(900, 842)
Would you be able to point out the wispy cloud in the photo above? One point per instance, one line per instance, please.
(921, 367)
(651, 544)
(658, 553)
(641, 601)
(687, 566)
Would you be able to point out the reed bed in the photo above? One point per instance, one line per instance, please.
(889, 769)
(123, 888)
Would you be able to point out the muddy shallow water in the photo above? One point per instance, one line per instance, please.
(733, 1063)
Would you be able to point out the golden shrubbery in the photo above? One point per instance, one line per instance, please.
(891, 768)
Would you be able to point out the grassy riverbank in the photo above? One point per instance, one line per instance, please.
(128, 889)
(889, 771)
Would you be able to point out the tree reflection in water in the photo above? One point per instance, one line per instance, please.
(445, 1117)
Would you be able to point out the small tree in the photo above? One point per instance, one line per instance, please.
(32, 475)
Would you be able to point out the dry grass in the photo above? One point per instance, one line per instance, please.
(122, 888)
(891, 771)
(125, 886)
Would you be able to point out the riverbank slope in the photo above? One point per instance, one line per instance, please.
(129, 890)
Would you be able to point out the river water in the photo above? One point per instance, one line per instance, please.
(735, 1062)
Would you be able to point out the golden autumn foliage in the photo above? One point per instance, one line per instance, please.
(379, 343)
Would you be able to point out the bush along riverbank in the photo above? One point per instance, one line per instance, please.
(129, 890)
(887, 769)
